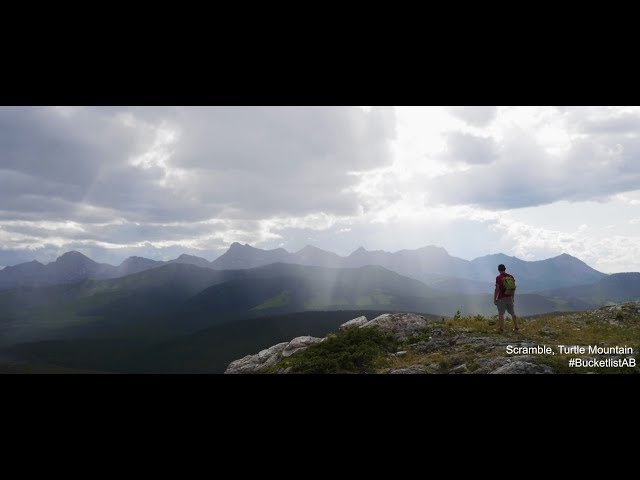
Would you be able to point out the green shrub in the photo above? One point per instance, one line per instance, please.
(355, 350)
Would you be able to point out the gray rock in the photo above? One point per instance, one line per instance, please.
(460, 369)
(400, 325)
(433, 368)
(258, 362)
(489, 365)
(271, 351)
(299, 344)
(431, 345)
(356, 322)
(520, 366)
(412, 369)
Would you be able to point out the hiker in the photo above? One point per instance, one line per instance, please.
(504, 296)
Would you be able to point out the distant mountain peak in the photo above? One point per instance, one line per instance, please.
(192, 260)
(73, 256)
(135, 259)
(72, 253)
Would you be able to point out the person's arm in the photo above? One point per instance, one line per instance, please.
(495, 295)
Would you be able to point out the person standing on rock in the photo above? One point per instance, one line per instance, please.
(504, 296)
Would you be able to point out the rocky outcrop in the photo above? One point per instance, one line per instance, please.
(401, 325)
(299, 344)
(426, 345)
(519, 366)
(259, 362)
(512, 365)
(270, 356)
(356, 322)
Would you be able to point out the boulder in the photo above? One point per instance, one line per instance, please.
(299, 344)
(400, 325)
(258, 362)
(356, 322)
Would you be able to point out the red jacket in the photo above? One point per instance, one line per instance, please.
(499, 283)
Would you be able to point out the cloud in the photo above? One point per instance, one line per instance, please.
(604, 121)
(610, 254)
(190, 162)
(475, 115)
(525, 173)
(124, 173)
(471, 149)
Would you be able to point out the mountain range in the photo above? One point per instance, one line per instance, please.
(178, 298)
(430, 265)
(84, 314)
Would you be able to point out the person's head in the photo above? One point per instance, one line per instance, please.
(501, 268)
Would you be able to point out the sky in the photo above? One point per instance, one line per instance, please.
(112, 182)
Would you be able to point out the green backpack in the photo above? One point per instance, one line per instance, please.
(508, 285)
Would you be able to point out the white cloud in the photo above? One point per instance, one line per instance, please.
(475, 115)
(539, 166)
(471, 149)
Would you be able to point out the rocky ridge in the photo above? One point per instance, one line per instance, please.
(471, 345)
